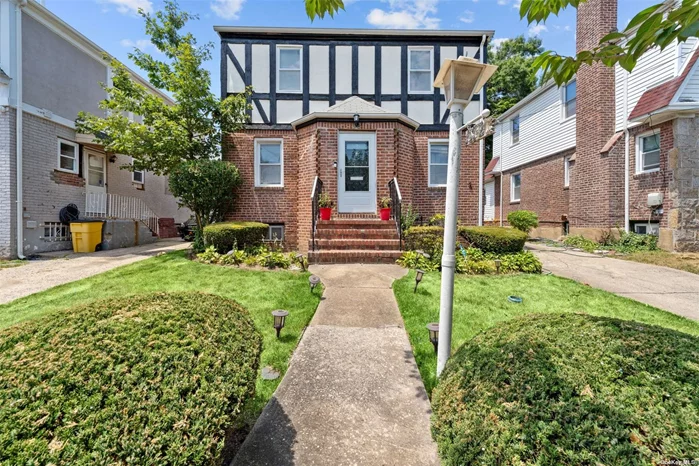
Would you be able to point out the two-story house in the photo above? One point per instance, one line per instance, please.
(50, 72)
(611, 149)
(352, 113)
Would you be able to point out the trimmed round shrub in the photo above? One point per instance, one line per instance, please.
(429, 239)
(239, 235)
(494, 239)
(523, 220)
(152, 379)
(569, 390)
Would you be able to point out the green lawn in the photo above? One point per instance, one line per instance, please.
(260, 292)
(481, 302)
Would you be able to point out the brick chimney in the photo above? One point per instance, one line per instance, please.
(595, 189)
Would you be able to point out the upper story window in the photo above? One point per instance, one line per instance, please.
(515, 187)
(438, 162)
(138, 176)
(68, 156)
(514, 129)
(648, 150)
(569, 98)
(420, 70)
(568, 164)
(269, 163)
(289, 68)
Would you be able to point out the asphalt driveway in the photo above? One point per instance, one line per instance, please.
(673, 290)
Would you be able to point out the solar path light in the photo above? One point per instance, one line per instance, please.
(418, 278)
(433, 329)
(279, 320)
(314, 280)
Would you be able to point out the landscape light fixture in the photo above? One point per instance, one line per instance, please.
(498, 263)
(299, 257)
(433, 328)
(460, 79)
(418, 278)
(356, 120)
(279, 319)
(314, 280)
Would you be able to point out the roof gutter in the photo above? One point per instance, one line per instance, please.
(19, 113)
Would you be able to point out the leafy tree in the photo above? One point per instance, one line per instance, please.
(207, 188)
(168, 133)
(516, 77)
(656, 26)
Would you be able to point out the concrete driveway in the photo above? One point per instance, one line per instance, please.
(61, 267)
(669, 289)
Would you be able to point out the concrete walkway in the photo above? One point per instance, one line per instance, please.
(673, 290)
(353, 394)
(57, 268)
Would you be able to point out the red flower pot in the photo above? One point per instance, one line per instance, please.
(325, 213)
(386, 213)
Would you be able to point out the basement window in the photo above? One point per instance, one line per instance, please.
(645, 228)
(56, 231)
(275, 232)
(648, 150)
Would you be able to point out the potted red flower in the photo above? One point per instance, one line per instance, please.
(326, 206)
(385, 204)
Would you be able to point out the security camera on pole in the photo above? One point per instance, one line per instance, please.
(460, 79)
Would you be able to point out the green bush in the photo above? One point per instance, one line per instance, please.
(569, 390)
(408, 217)
(523, 220)
(235, 235)
(580, 242)
(415, 260)
(272, 259)
(427, 239)
(494, 239)
(152, 379)
(633, 242)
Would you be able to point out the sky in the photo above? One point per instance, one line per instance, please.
(115, 25)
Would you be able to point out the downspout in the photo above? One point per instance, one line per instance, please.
(502, 180)
(19, 113)
(481, 145)
(626, 151)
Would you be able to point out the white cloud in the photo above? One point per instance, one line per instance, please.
(517, 4)
(132, 6)
(497, 42)
(503, 2)
(140, 43)
(405, 14)
(467, 17)
(227, 9)
(537, 29)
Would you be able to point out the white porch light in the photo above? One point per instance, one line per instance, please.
(460, 79)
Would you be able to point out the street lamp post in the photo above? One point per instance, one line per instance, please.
(460, 79)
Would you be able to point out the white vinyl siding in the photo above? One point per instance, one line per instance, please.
(289, 66)
(67, 156)
(690, 88)
(420, 70)
(269, 163)
(541, 132)
(515, 187)
(438, 161)
(648, 152)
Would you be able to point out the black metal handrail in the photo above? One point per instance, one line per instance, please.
(396, 201)
(315, 209)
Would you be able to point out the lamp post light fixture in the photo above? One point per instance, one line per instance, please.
(279, 319)
(314, 280)
(498, 263)
(460, 79)
(433, 328)
(418, 278)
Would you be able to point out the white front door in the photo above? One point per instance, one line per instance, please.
(96, 174)
(356, 171)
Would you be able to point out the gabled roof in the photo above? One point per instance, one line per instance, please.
(354, 105)
(492, 164)
(661, 96)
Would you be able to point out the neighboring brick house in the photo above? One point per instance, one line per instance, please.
(562, 152)
(56, 72)
(353, 110)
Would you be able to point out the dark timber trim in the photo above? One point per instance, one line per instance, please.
(355, 69)
(377, 75)
(305, 83)
(404, 79)
(261, 109)
(224, 70)
(248, 72)
(437, 92)
(272, 82)
(331, 74)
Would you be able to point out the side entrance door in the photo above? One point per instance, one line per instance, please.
(356, 170)
(96, 171)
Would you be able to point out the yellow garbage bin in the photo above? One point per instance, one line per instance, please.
(86, 235)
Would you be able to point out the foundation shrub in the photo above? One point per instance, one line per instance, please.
(494, 239)
(523, 220)
(429, 239)
(225, 236)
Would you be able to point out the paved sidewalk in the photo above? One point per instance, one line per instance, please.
(61, 267)
(673, 290)
(353, 394)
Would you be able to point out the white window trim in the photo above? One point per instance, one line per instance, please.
(279, 62)
(512, 187)
(429, 160)
(133, 172)
(423, 48)
(257, 162)
(639, 155)
(512, 133)
(76, 165)
(269, 236)
(565, 118)
(566, 172)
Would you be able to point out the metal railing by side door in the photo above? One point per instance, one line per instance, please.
(115, 206)
(315, 209)
(396, 208)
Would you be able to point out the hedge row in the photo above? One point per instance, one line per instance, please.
(429, 239)
(234, 235)
(494, 239)
(152, 380)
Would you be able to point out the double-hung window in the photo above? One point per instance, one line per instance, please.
(420, 70)
(269, 163)
(289, 61)
(569, 98)
(138, 176)
(648, 153)
(68, 156)
(514, 129)
(438, 161)
(515, 187)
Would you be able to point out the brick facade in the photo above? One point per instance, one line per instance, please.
(312, 151)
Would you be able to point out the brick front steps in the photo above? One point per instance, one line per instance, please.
(349, 240)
